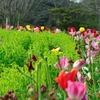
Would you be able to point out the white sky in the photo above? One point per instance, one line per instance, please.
(76, 0)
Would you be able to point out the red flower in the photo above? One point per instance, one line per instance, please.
(47, 29)
(73, 29)
(53, 32)
(34, 58)
(30, 66)
(69, 28)
(3, 25)
(94, 31)
(64, 77)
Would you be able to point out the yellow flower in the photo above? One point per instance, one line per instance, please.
(60, 52)
(55, 50)
(21, 27)
(82, 29)
(42, 28)
(28, 27)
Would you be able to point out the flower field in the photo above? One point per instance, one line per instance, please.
(39, 63)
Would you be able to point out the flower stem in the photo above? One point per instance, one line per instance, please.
(39, 92)
(94, 85)
(37, 78)
(48, 74)
(64, 95)
(59, 61)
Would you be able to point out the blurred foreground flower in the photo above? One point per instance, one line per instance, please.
(76, 90)
(64, 77)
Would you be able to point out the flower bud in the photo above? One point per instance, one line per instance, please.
(79, 64)
(43, 89)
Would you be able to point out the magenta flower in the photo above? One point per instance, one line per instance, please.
(79, 63)
(76, 90)
(64, 63)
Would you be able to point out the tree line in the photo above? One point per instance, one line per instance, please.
(51, 13)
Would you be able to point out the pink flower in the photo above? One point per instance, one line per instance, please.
(87, 40)
(71, 30)
(11, 27)
(95, 52)
(80, 78)
(90, 60)
(88, 30)
(85, 33)
(64, 63)
(78, 32)
(89, 52)
(76, 90)
(68, 99)
(72, 33)
(79, 63)
(98, 38)
(87, 47)
(57, 30)
(7, 26)
(36, 29)
(95, 45)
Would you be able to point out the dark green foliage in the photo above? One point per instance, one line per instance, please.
(74, 16)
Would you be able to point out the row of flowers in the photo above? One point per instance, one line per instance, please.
(31, 28)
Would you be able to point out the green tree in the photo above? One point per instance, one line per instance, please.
(74, 16)
(94, 6)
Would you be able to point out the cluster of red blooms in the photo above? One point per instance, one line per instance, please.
(9, 96)
(94, 32)
(71, 29)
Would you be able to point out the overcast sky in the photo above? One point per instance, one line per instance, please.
(76, 0)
